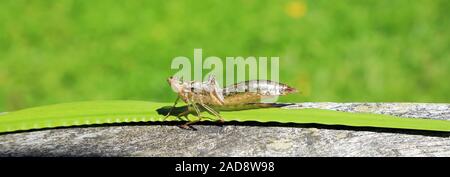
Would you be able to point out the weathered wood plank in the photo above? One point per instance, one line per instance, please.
(243, 139)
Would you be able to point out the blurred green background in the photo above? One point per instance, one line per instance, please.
(54, 51)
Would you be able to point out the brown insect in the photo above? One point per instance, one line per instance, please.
(208, 96)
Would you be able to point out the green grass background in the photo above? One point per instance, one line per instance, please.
(54, 51)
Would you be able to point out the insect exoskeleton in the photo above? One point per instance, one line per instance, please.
(254, 90)
(208, 96)
(208, 92)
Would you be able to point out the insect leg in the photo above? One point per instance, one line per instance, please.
(211, 110)
(197, 110)
(171, 109)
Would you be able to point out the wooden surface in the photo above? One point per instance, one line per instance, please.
(242, 139)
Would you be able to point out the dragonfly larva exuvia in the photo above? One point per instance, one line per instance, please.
(208, 96)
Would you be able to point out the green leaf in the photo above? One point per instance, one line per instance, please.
(103, 112)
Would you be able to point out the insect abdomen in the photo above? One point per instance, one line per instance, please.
(260, 87)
